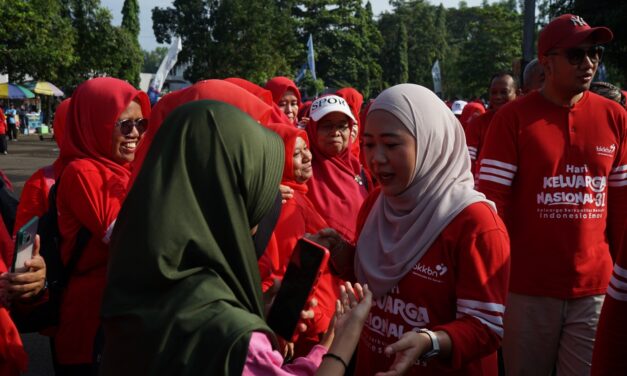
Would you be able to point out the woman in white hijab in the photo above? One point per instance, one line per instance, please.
(432, 249)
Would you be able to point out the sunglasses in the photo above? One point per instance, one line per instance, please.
(576, 55)
(126, 125)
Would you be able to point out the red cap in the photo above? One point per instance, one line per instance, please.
(568, 31)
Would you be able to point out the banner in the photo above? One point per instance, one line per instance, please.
(437, 77)
(310, 57)
(166, 65)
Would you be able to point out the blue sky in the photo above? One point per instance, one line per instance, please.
(147, 38)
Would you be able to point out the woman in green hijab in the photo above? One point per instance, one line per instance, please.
(184, 292)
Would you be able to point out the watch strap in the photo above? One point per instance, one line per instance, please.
(435, 345)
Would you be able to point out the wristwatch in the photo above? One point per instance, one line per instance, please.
(435, 345)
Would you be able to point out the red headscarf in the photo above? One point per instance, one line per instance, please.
(355, 100)
(334, 189)
(279, 85)
(471, 111)
(218, 90)
(289, 135)
(303, 110)
(265, 95)
(60, 118)
(95, 107)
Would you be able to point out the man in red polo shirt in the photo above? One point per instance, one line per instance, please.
(503, 89)
(555, 164)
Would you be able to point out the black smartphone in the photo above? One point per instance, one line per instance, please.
(24, 243)
(306, 264)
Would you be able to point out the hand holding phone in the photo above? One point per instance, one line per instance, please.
(28, 276)
(306, 264)
(24, 243)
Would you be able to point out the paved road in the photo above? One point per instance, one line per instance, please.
(26, 156)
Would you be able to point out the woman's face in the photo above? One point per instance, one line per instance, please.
(302, 161)
(334, 130)
(289, 105)
(390, 152)
(124, 146)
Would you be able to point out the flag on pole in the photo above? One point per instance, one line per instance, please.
(437, 77)
(310, 57)
(166, 65)
(301, 73)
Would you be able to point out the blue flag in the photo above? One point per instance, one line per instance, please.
(301, 73)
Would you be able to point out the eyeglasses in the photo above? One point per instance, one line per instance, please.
(332, 128)
(126, 125)
(576, 55)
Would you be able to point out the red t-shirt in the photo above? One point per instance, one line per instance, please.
(3, 122)
(609, 348)
(459, 286)
(298, 216)
(89, 195)
(548, 169)
(34, 198)
(475, 135)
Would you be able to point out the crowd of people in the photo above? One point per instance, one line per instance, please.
(453, 231)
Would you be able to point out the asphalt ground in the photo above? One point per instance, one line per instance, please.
(25, 157)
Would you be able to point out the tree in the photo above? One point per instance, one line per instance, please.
(401, 50)
(101, 48)
(130, 66)
(487, 40)
(254, 36)
(252, 39)
(130, 17)
(189, 19)
(35, 40)
(153, 59)
(347, 42)
(426, 41)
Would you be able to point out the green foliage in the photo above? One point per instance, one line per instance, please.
(490, 42)
(152, 59)
(252, 39)
(346, 39)
(254, 36)
(130, 65)
(425, 42)
(130, 17)
(35, 40)
(310, 87)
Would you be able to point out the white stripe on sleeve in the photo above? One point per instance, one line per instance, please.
(496, 307)
(619, 271)
(616, 295)
(506, 182)
(497, 171)
(620, 183)
(618, 284)
(495, 163)
(488, 313)
(619, 169)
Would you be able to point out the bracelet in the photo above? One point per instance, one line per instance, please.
(333, 356)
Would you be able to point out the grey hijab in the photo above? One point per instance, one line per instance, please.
(400, 229)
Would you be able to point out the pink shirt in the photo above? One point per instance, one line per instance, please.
(263, 360)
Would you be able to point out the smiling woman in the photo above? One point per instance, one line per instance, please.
(102, 132)
(339, 184)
